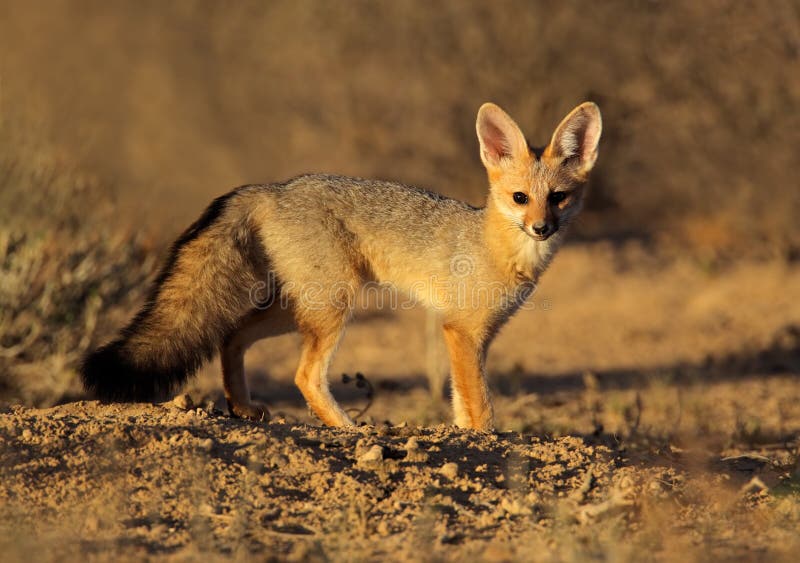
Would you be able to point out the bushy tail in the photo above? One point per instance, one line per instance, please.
(202, 292)
(112, 374)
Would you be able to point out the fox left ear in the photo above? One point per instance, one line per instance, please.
(500, 138)
(577, 137)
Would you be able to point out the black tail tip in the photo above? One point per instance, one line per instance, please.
(110, 375)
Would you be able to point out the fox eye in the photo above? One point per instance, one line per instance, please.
(558, 197)
(520, 198)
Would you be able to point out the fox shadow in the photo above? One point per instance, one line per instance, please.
(781, 357)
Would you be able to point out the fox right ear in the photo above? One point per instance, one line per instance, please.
(499, 136)
(577, 137)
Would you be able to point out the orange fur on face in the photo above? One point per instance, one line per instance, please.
(537, 210)
(537, 178)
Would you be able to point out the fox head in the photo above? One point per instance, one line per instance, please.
(539, 191)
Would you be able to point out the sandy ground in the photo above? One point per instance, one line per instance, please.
(134, 481)
(647, 409)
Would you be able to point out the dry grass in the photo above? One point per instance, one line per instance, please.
(66, 272)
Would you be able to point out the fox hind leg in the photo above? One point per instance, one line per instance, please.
(259, 324)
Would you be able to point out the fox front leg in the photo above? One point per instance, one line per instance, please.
(471, 402)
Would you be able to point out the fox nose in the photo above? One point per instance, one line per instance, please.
(541, 228)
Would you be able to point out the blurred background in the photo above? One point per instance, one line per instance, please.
(119, 121)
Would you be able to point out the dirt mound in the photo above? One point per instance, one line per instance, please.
(174, 480)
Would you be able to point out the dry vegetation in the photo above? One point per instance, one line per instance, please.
(650, 404)
(63, 269)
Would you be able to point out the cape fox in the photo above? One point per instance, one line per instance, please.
(335, 234)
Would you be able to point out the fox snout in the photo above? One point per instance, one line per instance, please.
(542, 229)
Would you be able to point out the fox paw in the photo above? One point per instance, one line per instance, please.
(251, 411)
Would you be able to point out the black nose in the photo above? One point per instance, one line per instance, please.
(541, 228)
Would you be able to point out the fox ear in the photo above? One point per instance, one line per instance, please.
(577, 136)
(499, 136)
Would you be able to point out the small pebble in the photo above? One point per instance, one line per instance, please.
(413, 453)
(278, 460)
(372, 456)
(383, 528)
(449, 470)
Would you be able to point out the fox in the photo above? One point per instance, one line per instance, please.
(335, 234)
